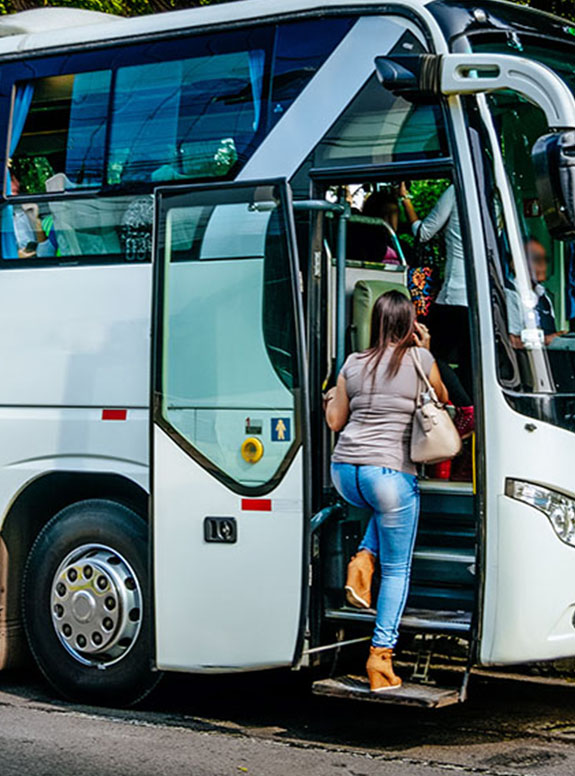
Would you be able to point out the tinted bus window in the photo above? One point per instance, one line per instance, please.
(65, 229)
(59, 127)
(202, 114)
(379, 127)
(118, 121)
(301, 49)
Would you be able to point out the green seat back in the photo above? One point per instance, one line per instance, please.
(365, 295)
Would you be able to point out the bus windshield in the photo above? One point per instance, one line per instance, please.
(533, 283)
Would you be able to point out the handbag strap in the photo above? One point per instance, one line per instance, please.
(421, 372)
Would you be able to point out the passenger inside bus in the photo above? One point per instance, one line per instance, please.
(372, 230)
(538, 263)
(383, 205)
(32, 237)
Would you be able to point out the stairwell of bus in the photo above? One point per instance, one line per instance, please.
(437, 626)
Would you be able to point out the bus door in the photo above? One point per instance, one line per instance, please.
(229, 429)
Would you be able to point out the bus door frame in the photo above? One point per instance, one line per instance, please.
(301, 403)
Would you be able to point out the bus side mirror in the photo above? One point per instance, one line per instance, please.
(554, 163)
(415, 77)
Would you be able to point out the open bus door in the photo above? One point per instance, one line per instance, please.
(229, 429)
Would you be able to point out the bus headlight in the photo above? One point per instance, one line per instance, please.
(559, 509)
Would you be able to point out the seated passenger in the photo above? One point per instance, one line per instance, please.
(32, 240)
(538, 265)
(378, 243)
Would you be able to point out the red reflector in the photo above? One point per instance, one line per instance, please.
(114, 414)
(256, 505)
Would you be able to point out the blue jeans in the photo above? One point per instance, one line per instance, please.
(394, 499)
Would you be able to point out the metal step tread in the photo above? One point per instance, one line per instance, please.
(447, 488)
(428, 620)
(444, 555)
(425, 696)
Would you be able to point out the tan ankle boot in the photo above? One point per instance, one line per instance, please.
(359, 576)
(380, 670)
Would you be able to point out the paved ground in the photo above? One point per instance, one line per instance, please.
(270, 726)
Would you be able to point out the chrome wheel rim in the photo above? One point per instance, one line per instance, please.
(96, 605)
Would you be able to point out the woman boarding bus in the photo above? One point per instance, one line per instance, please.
(373, 406)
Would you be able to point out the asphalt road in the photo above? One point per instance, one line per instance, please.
(269, 725)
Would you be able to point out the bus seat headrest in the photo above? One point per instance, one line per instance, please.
(365, 295)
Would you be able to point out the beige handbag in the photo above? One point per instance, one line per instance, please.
(434, 437)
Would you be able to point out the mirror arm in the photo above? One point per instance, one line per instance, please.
(483, 73)
(418, 76)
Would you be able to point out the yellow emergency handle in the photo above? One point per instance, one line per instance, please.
(252, 450)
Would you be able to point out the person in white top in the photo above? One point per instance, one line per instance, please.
(449, 322)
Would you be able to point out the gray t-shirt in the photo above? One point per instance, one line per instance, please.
(378, 432)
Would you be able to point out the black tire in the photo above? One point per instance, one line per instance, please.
(94, 522)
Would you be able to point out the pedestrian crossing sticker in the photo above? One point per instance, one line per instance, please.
(281, 429)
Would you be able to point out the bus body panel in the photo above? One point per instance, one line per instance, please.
(69, 440)
(75, 346)
(222, 607)
(535, 606)
(529, 596)
(118, 29)
(75, 336)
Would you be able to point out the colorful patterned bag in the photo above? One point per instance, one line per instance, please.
(423, 284)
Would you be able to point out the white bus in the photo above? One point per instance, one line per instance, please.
(182, 275)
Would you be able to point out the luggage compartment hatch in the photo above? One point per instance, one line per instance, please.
(424, 696)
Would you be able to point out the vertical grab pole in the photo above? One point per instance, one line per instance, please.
(341, 288)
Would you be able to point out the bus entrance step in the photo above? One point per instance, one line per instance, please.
(424, 696)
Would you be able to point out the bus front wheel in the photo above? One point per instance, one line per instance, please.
(86, 605)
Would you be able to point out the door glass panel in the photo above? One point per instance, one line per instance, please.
(228, 329)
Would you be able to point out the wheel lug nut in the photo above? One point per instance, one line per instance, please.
(88, 572)
(81, 641)
(97, 638)
(67, 630)
(102, 583)
(61, 589)
(110, 603)
(72, 575)
(108, 623)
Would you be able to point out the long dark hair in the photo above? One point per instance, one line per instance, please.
(376, 203)
(392, 323)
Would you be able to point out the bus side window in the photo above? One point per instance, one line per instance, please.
(379, 128)
(59, 127)
(202, 112)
